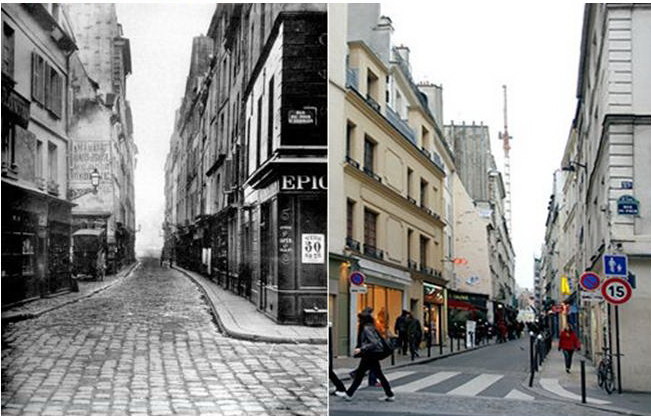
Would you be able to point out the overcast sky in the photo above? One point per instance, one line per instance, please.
(472, 49)
(161, 41)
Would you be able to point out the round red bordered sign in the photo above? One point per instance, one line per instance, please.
(616, 291)
(357, 278)
(589, 281)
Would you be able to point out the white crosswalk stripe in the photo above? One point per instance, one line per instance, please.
(396, 375)
(426, 382)
(476, 385)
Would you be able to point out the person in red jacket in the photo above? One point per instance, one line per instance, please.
(568, 342)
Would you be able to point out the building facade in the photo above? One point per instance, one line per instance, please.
(101, 130)
(482, 237)
(247, 162)
(606, 183)
(37, 49)
(387, 182)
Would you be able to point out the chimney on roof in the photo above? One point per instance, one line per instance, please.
(403, 51)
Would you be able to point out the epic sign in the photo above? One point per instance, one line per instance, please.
(303, 182)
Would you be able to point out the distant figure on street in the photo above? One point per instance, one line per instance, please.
(371, 349)
(501, 331)
(414, 334)
(568, 342)
(401, 330)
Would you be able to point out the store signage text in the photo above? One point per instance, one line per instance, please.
(303, 182)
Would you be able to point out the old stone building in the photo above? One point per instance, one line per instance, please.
(245, 175)
(101, 130)
(37, 49)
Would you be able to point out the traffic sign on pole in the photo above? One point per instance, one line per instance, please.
(616, 291)
(615, 265)
(357, 278)
(589, 281)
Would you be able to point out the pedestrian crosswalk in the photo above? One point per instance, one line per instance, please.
(456, 383)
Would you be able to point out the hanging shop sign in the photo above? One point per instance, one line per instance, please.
(16, 106)
(628, 205)
(313, 248)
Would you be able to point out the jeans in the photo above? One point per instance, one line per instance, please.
(335, 380)
(568, 358)
(368, 363)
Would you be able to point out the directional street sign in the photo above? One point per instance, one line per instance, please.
(616, 265)
(589, 281)
(616, 291)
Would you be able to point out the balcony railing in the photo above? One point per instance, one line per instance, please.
(41, 183)
(352, 78)
(412, 264)
(371, 101)
(369, 172)
(353, 244)
(372, 251)
(400, 125)
(426, 269)
(52, 187)
(412, 200)
(426, 153)
(352, 162)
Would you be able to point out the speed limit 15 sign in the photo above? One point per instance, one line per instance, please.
(616, 291)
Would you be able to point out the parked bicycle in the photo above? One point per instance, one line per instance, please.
(605, 373)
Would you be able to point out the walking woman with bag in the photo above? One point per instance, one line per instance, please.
(371, 348)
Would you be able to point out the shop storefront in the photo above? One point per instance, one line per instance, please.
(387, 306)
(433, 307)
(463, 307)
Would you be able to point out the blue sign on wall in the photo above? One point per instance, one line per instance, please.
(627, 184)
(628, 205)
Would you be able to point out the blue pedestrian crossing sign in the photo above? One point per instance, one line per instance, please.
(616, 265)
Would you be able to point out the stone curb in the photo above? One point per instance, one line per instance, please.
(25, 316)
(233, 333)
(542, 392)
(422, 361)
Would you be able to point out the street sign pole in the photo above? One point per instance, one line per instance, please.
(619, 362)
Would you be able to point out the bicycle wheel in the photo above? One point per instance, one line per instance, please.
(600, 374)
(609, 380)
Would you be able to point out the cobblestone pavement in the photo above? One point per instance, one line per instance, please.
(148, 346)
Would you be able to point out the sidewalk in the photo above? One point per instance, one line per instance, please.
(344, 365)
(553, 380)
(87, 288)
(239, 318)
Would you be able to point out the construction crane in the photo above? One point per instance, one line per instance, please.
(506, 145)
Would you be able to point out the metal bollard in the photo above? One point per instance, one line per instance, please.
(458, 344)
(532, 364)
(451, 343)
(393, 357)
(583, 399)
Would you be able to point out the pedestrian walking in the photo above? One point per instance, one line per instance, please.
(371, 348)
(339, 386)
(414, 334)
(401, 330)
(568, 342)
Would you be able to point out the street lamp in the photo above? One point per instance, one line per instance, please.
(78, 193)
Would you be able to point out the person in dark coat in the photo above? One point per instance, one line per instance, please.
(568, 342)
(369, 348)
(401, 330)
(339, 386)
(414, 334)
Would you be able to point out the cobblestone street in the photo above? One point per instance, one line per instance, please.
(148, 346)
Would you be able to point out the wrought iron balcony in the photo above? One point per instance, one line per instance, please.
(369, 172)
(353, 244)
(412, 200)
(371, 101)
(426, 269)
(400, 124)
(372, 251)
(352, 162)
(426, 153)
(412, 264)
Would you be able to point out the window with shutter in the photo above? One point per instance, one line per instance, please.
(38, 84)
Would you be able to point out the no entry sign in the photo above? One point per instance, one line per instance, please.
(589, 281)
(616, 291)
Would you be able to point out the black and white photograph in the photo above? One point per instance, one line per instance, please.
(164, 209)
